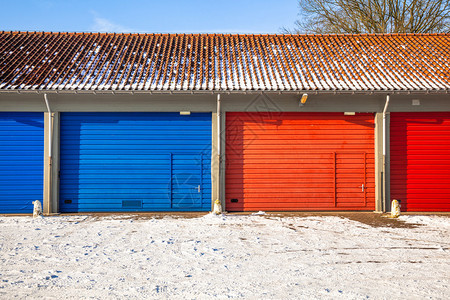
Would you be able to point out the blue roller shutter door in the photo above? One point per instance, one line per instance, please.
(21, 161)
(135, 162)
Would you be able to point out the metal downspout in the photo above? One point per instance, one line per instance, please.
(383, 172)
(219, 148)
(384, 124)
(50, 142)
(218, 124)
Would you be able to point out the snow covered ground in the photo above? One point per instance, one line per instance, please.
(253, 257)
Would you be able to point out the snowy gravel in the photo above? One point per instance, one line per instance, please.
(253, 257)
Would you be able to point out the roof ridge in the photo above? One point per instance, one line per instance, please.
(220, 34)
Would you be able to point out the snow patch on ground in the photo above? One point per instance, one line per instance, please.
(434, 221)
(224, 256)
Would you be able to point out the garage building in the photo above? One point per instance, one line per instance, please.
(96, 122)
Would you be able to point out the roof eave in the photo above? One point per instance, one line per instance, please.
(212, 92)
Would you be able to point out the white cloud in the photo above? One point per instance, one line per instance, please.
(104, 25)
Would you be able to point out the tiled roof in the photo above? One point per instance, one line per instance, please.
(217, 62)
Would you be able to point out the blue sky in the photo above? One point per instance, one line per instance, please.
(166, 16)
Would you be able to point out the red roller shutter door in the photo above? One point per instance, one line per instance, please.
(299, 161)
(420, 160)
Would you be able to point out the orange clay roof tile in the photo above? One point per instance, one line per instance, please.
(224, 62)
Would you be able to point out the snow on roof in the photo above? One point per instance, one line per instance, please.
(224, 62)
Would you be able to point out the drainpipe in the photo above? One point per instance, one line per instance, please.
(383, 172)
(218, 206)
(384, 124)
(218, 125)
(50, 143)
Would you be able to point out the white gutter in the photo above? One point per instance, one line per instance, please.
(212, 92)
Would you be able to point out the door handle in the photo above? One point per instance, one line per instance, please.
(198, 188)
(362, 187)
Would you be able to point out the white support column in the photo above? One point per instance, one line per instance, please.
(51, 164)
(379, 163)
(47, 205)
(215, 171)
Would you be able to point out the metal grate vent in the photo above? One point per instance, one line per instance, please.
(131, 203)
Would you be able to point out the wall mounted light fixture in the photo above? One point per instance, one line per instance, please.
(303, 99)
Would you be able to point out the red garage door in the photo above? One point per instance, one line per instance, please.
(420, 160)
(299, 161)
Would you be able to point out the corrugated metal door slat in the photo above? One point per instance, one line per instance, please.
(135, 162)
(420, 160)
(21, 161)
(299, 161)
